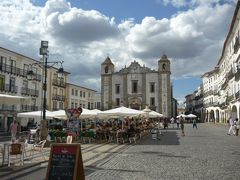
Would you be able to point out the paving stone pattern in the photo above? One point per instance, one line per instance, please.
(207, 153)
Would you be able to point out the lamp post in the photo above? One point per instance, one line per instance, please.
(30, 74)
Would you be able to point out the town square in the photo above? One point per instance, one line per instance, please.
(120, 90)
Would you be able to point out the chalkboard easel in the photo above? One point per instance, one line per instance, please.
(65, 162)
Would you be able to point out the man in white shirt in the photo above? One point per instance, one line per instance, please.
(231, 128)
(172, 122)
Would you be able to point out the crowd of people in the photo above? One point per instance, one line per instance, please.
(115, 130)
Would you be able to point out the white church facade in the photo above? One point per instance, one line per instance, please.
(136, 86)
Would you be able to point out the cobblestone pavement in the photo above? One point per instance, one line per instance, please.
(207, 153)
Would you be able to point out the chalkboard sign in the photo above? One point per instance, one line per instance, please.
(16, 149)
(65, 162)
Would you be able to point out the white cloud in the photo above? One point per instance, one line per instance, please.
(186, 37)
(193, 3)
(193, 39)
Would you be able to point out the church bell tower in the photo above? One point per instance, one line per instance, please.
(165, 95)
(107, 69)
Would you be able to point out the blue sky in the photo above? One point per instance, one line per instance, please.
(83, 32)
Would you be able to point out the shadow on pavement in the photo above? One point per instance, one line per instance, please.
(164, 154)
(92, 169)
(167, 138)
(19, 171)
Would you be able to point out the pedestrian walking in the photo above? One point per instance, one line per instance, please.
(194, 123)
(237, 125)
(165, 123)
(231, 128)
(172, 121)
(13, 130)
(182, 126)
(178, 122)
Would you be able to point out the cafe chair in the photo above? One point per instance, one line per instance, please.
(38, 147)
(16, 150)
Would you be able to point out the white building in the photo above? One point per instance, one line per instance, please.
(13, 81)
(136, 86)
(79, 96)
(221, 86)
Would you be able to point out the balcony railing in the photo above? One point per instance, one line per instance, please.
(230, 74)
(222, 104)
(26, 108)
(216, 93)
(236, 45)
(230, 98)
(211, 104)
(4, 107)
(237, 95)
(60, 83)
(58, 97)
(224, 85)
(17, 71)
(198, 97)
(30, 92)
(237, 75)
(8, 88)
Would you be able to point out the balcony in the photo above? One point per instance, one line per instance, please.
(237, 95)
(237, 75)
(27, 108)
(230, 74)
(224, 85)
(211, 104)
(58, 97)
(208, 93)
(4, 107)
(198, 97)
(29, 92)
(236, 45)
(230, 98)
(222, 105)
(17, 71)
(8, 88)
(216, 93)
(60, 83)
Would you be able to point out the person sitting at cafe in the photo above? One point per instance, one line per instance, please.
(131, 131)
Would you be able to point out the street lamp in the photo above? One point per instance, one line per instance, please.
(30, 75)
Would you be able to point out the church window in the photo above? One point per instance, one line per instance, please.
(118, 101)
(164, 66)
(134, 86)
(106, 69)
(152, 87)
(117, 88)
(152, 101)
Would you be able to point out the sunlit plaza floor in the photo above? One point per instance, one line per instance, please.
(204, 153)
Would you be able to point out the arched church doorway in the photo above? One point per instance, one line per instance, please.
(135, 103)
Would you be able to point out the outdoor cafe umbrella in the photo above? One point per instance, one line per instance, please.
(182, 115)
(120, 112)
(86, 113)
(9, 99)
(154, 114)
(32, 114)
(191, 116)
